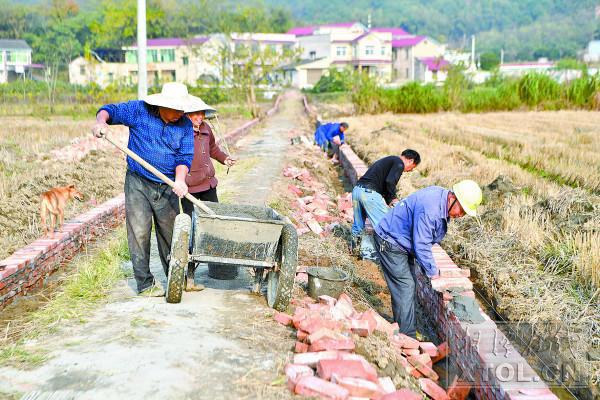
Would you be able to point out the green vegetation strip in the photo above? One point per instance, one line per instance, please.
(89, 284)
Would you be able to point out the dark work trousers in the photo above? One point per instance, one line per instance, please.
(188, 208)
(146, 201)
(397, 267)
(207, 195)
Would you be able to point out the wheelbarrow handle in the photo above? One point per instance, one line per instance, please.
(156, 172)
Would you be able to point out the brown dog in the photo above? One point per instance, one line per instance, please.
(54, 202)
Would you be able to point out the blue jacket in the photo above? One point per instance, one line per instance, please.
(416, 223)
(326, 132)
(164, 146)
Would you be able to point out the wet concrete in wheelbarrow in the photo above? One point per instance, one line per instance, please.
(218, 343)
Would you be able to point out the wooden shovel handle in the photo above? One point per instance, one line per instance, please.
(156, 172)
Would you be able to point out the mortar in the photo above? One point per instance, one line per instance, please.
(326, 281)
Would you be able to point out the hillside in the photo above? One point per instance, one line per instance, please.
(524, 28)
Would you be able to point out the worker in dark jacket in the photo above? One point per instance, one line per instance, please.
(375, 191)
(408, 231)
(201, 180)
(328, 134)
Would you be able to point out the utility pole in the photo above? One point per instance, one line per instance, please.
(141, 49)
(501, 56)
(473, 51)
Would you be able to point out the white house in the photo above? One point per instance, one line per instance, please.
(390, 54)
(592, 53)
(15, 60)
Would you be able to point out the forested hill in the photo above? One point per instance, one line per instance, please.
(525, 29)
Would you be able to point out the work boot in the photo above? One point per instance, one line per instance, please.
(190, 285)
(152, 291)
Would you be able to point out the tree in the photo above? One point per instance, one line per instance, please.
(252, 64)
(488, 61)
(55, 49)
(117, 25)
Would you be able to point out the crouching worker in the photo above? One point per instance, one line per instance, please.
(328, 134)
(408, 231)
(375, 191)
(160, 134)
(201, 180)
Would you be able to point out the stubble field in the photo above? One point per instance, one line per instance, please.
(535, 249)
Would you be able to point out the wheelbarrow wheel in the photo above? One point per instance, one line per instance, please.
(280, 283)
(179, 258)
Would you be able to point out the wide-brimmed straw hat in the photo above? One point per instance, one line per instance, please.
(173, 95)
(196, 104)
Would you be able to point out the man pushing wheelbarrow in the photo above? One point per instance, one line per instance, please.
(160, 153)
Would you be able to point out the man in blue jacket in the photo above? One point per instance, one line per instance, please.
(330, 133)
(162, 135)
(408, 231)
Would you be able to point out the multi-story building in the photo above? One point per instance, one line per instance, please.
(15, 59)
(390, 54)
(200, 59)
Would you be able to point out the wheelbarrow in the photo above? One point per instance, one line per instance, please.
(229, 234)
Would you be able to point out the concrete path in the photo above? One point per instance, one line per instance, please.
(220, 343)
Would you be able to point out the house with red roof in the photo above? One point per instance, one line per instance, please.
(390, 54)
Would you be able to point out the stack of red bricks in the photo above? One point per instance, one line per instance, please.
(326, 366)
(318, 212)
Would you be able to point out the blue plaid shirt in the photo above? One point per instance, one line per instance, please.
(164, 146)
(416, 223)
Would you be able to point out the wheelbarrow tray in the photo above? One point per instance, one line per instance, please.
(238, 234)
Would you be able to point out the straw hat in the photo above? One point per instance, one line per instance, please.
(173, 95)
(197, 104)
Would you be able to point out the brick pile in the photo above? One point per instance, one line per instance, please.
(326, 366)
(317, 212)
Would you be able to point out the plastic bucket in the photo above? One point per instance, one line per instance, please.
(326, 281)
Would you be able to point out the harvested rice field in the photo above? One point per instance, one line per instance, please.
(534, 251)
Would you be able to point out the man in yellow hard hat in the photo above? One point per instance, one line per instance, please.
(409, 230)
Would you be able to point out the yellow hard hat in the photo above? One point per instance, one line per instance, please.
(469, 195)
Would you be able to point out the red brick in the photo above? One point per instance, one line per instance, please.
(283, 318)
(406, 341)
(386, 384)
(294, 190)
(429, 348)
(301, 335)
(402, 394)
(357, 357)
(294, 372)
(369, 316)
(8, 271)
(343, 308)
(344, 368)
(458, 390)
(443, 352)
(311, 359)
(442, 284)
(411, 352)
(432, 389)
(324, 333)
(421, 363)
(313, 324)
(361, 327)
(324, 299)
(316, 387)
(358, 387)
(301, 347)
(332, 344)
(455, 272)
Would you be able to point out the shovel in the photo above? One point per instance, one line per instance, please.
(156, 172)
